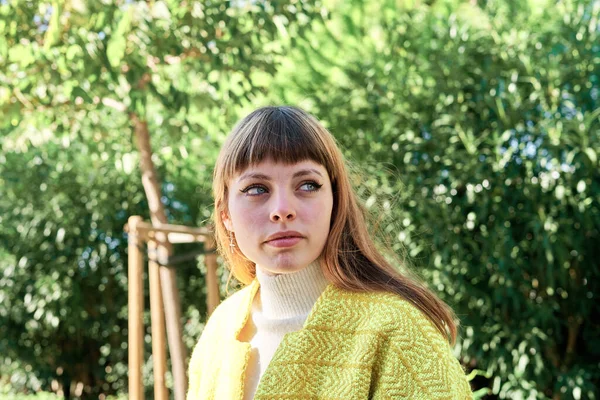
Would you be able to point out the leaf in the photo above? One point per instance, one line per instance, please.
(591, 155)
(72, 51)
(52, 36)
(115, 50)
(3, 46)
(23, 55)
(79, 92)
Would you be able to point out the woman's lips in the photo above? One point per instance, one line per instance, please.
(284, 241)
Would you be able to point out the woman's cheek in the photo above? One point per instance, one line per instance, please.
(252, 217)
(316, 213)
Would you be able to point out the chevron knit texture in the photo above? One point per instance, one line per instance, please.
(352, 346)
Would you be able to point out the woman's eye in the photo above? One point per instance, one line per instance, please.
(310, 186)
(254, 190)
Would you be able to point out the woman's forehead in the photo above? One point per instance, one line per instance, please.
(269, 168)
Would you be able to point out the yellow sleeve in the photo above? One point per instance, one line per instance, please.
(199, 357)
(417, 363)
(195, 371)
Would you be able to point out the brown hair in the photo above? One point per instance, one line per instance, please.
(350, 259)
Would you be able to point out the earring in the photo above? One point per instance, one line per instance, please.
(231, 242)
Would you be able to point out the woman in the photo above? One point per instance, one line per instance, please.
(323, 314)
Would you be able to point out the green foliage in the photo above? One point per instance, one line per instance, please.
(8, 395)
(475, 126)
(64, 282)
(485, 121)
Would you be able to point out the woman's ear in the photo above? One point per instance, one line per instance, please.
(226, 221)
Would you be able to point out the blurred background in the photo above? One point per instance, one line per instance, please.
(475, 125)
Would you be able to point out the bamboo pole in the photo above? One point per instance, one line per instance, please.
(135, 310)
(212, 283)
(159, 350)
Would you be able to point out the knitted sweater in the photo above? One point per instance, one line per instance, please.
(352, 346)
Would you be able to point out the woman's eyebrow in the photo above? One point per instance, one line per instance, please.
(254, 175)
(257, 175)
(307, 172)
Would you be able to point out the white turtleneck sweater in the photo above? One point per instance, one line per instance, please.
(281, 306)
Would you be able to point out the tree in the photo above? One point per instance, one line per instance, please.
(161, 67)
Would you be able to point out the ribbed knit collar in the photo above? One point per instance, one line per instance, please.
(290, 295)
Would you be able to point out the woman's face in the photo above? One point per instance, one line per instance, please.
(280, 214)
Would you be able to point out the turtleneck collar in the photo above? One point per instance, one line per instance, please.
(290, 295)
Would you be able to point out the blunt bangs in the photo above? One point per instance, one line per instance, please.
(281, 134)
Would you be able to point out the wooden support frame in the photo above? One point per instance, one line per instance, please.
(141, 233)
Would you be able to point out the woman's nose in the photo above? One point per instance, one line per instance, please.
(283, 209)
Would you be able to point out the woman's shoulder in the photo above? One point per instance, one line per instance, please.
(236, 300)
(405, 336)
(382, 312)
(229, 316)
(234, 309)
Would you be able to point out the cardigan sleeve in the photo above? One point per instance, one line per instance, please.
(419, 366)
(195, 369)
(200, 353)
(193, 375)
(215, 343)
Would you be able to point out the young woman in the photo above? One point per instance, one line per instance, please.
(323, 315)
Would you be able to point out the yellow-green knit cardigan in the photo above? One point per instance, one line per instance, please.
(352, 346)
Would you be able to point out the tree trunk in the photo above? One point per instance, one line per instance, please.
(168, 281)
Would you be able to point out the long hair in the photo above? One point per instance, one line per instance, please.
(350, 259)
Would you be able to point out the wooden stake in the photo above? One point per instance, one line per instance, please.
(135, 311)
(212, 284)
(159, 350)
